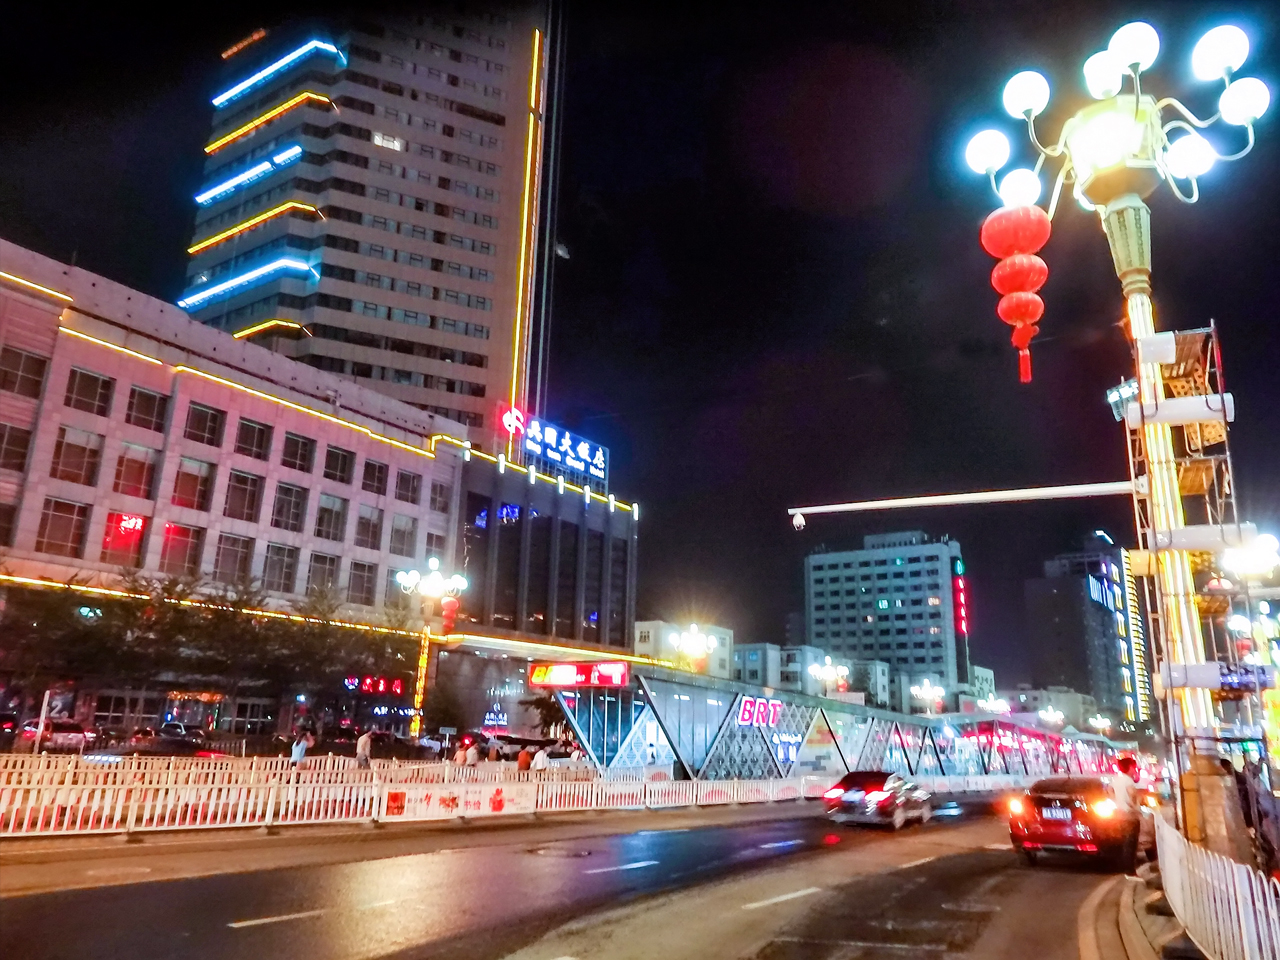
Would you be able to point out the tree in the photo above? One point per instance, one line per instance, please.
(548, 710)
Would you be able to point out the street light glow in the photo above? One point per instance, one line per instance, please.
(1026, 94)
(987, 152)
(1103, 75)
(1020, 188)
(1244, 101)
(1136, 45)
(1189, 157)
(1220, 52)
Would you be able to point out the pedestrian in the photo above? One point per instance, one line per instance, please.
(577, 753)
(494, 756)
(525, 760)
(460, 757)
(364, 748)
(1126, 784)
(541, 760)
(473, 755)
(298, 752)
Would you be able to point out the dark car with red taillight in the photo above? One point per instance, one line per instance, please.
(877, 797)
(1088, 816)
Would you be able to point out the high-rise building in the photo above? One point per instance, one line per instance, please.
(1085, 625)
(371, 204)
(901, 599)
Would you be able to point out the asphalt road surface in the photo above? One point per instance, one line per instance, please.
(773, 890)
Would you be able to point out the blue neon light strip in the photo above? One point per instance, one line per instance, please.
(256, 172)
(222, 99)
(263, 272)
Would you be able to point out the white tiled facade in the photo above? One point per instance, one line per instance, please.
(62, 396)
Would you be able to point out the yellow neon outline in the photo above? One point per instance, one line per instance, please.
(266, 324)
(603, 655)
(110, 346)
(35, 286)
(533, 72)
(273, 614)
(252, 222)
(266, 118)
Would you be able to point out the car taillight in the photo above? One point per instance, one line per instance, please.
(1105, 808)
(875, 796)
(834, 793)
(1015, 807)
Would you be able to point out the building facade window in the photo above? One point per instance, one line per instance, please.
(408, 486)
(62, 528)
(435, 544)
(181, 549)
(289, 511)
(280, 568)
(253, 439)
(369, 527)
(375, 478)
(22, 373)
(136, 471)
(331, 517)
(233, 560)
(8, 517)
(322, 574)
(244, 496)
(362, 583)
(14, 446)
(339, 464)
(404, 535)
(441, 494)
(193, 484)
(299, 452)
(146, 409)
(89, 392)
(205, 424)
(76, 456)
(122, 540)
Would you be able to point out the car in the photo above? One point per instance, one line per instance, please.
(1081, 816)
(8, 729)
(153, 747)
(878, 798)
(58, 736)
(183, 731)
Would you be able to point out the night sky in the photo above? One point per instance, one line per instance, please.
(775, 295)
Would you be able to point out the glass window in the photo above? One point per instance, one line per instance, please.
(404, 535)
(362, 584)
(244, 496)
(299, 452)
(408, 486)
(441, 493)
(331, 517)
(339, 464)
(122, 540)
(146, 409)
(253, 439)
(394, 597)
(62, 528)
(136, 471)
(205, 424)
(435, 544)
(375, 478)
(14, 444)
(181, 549)
(193, 484)
(369, 527)
(289, 511)
(280, 568)
(233, 561)
(76, 456)
(89, 392)
(322, 575)
(22, 373)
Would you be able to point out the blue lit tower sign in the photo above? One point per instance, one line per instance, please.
(557, 452)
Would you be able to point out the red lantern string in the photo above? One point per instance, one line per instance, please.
(1014, 235)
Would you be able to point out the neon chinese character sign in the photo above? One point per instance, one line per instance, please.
(558, 452)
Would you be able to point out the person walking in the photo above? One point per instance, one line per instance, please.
(541, 760)
(473, 755)
(460, 756)
(298, 752)
(364, 749)
(494, 755)
(525, 760)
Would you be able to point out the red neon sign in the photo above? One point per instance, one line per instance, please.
(513, 420)
(607, 674)
(759, 712)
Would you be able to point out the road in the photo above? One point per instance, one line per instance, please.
(777, 889)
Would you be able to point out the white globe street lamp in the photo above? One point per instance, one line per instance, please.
(430, 587)
(1052, 715)
(929, 693)
(828, 673)
(1100, 723)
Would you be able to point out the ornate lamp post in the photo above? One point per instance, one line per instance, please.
(1100, 723)
(829, 674)
(1052, 715)
(930, 693)
(1113, 154)
(994, 705)
(430, 587)
(694, 646)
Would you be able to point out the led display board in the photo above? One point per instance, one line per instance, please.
(607, 674)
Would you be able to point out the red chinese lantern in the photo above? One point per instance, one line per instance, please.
(448, 613)
(1014, 235)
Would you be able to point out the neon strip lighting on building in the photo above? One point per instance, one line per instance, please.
(528, 648)
(267, 117)
(266, 325)
(287, 207)
(222, 99)
(1064, 492)
(110, 346)
(256, 172)
(32, 285)
(235, 48)
(245, 279)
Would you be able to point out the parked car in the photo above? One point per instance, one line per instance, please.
(59, 736)
(183, 731)
(1081, 816)
(154, 747)
(879, 798)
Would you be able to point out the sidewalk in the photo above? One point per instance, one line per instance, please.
(43, 865)
(1136, 910)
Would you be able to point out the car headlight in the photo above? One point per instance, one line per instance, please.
(1105, 808)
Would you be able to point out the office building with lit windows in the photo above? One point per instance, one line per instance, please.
(901, 599)
(1086, 630)
(370, 204)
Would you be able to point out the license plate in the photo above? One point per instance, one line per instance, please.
(1055, 813)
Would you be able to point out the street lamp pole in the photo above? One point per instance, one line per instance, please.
(430, 587)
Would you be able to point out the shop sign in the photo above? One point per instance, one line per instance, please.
(759, 712)
(607, 674)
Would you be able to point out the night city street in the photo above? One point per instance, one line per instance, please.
(555, 480)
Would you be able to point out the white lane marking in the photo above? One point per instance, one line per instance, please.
(915, 863)
(782, 899)
(780, 843)
(650, 833)
(117, 871)
(867, 944)
(999, 846)
(380, 903)
(280, 919)
(625, 866)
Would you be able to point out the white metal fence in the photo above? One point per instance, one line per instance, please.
(1230, 910)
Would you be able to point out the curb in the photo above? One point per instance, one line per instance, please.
(1136, 945)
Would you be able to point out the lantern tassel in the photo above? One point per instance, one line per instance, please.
(1024, 365)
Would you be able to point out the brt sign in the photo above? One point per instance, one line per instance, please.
(759, 712)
